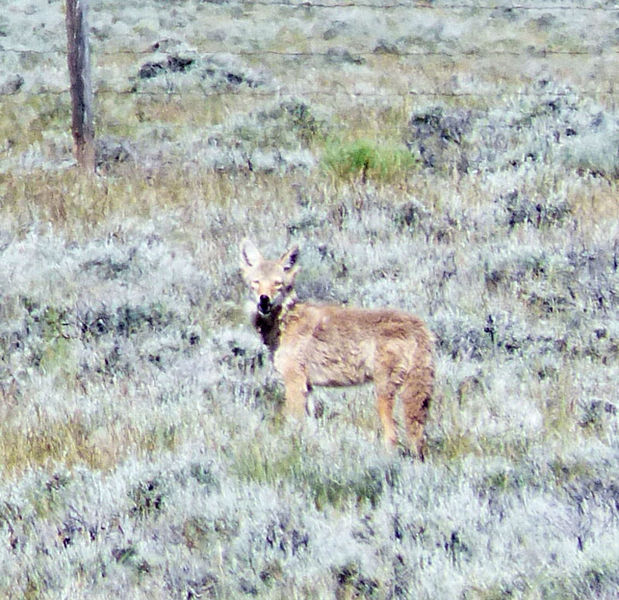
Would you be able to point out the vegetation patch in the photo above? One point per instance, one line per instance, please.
(326, 485)
(364, 160)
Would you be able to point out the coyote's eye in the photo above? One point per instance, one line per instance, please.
(278, 285)
(255, 284)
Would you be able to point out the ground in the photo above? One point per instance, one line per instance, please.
(458, 161)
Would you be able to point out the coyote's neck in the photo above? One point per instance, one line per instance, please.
(271, 326)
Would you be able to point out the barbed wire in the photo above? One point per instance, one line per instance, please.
(427, 5)
(474, 52)
(420, 5)
(285, 93)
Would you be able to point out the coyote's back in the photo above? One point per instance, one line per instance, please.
(314, 344)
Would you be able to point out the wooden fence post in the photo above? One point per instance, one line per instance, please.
(78, 56)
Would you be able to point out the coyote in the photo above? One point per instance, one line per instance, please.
(327, 345)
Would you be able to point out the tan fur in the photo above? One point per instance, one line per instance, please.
(315, 344)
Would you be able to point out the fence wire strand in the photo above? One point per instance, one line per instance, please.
(419, 5)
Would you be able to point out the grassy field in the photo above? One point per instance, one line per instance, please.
(457, 160)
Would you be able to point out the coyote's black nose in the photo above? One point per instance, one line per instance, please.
(265, 304)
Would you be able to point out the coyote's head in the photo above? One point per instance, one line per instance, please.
(271, 281)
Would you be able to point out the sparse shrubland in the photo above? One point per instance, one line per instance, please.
(460, 164)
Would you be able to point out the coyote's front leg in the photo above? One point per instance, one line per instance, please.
(296, 392)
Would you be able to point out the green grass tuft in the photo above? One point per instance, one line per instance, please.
(365, 160)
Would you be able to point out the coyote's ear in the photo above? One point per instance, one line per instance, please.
(250, 255)
(289, 259)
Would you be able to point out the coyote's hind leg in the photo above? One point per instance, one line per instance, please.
(385, 398)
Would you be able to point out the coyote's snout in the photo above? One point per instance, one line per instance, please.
(315, 344)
